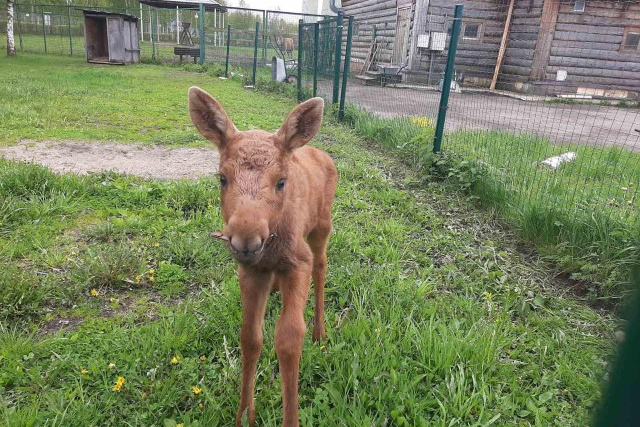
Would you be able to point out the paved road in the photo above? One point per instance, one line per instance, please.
(561, 123)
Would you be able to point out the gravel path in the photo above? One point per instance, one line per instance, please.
(134, 159)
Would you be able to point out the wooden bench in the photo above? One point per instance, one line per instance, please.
(188, 51)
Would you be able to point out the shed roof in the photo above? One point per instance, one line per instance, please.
(209, 5)
(89, 12)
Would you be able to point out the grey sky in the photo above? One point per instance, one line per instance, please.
(285, 5)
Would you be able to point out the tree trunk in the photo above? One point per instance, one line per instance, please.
(11, 43)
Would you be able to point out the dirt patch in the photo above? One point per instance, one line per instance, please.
(133, 159)
(60, 323)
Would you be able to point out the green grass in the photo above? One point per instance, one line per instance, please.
(434, 317)
(584, 217)
(83, 101)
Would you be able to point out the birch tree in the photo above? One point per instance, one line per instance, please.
(11, 43)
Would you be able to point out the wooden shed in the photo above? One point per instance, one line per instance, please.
(111, 38)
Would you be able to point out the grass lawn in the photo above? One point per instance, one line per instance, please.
(583, 217)
(434, 315)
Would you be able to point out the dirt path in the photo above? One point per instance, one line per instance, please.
(133, 159)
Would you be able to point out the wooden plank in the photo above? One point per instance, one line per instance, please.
(593, 29)
(545, 37)
(588, 37)
(594, 54)
(596, 64)
(503, 46)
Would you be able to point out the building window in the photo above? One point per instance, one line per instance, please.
(631, 40)
(579, 6)
(472, 31)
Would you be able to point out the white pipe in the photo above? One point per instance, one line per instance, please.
(141, 23)
(177, 25)
(215, 27)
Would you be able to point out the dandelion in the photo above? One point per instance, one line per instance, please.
(94, 292)
(152, 279)
(179, 425)
(119, 383)
(422, 121)
(200, 405)
(157, 245)
(203, 358)
(196, 390)
(152, 271)
(112, 300)
(84, 372)
(174, 360)
(138, 278)
(488, 296)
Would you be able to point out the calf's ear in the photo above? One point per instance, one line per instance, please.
(302, 124)
(210, 118)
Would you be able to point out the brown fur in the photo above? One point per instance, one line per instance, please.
(279, 237)
(288, 46)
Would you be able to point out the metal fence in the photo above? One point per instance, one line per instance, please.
(59, 29)
(321, 59)
(543, 100)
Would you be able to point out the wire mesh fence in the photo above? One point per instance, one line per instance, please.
(544, 108)
(226, 31)
(320, 42)
(561, 95)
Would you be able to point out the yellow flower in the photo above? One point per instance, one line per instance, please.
(152, 271)
(488, 296)
(94, 292)
(201, 405)
(422, 121)
(138, 278)
(196, 390)
(157, 245)
(119, 383)
(84, 372)
(179, 425)
(112, 365)
(203, 358)
(174, 360)
(152, 279)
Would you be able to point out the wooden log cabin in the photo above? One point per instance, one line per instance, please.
(550, 47)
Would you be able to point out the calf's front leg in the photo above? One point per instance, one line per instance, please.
(255, 289)
(289, 337)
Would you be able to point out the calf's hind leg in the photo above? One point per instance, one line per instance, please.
(318, 241)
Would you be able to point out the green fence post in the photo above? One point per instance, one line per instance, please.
(316, 41)
(345, 71)
(255, 54)
(201, 33)
(44, 32)
(70, 35)
(448, 75)
(265, 26)
(300, 36)
(338, 54)
(226, 61)
(154, 31)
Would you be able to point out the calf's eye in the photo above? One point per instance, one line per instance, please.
(223, 181)
(280, 184)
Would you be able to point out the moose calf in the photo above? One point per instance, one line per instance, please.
(276, 195)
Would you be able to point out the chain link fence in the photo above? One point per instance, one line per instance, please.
(228, 33)
(543, 113)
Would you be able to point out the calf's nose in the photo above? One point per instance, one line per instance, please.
(246, 246)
